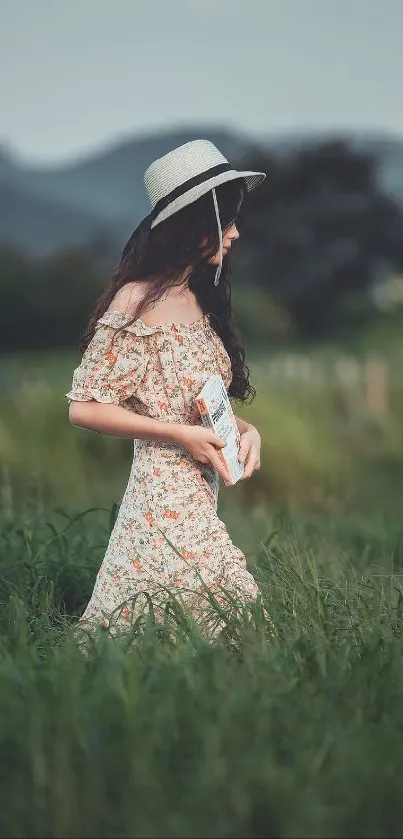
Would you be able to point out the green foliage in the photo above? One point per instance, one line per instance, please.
(320, 230)
(45, 303)
(322, 448)
(260, 319)
(287, 725)
(164, 732)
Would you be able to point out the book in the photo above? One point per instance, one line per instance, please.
(216, 413)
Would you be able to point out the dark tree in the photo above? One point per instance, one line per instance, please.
(320, 231)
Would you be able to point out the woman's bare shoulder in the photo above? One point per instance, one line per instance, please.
(127, 298)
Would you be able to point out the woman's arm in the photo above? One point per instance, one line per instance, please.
(242, 425)
(249, 449)
(109, 418)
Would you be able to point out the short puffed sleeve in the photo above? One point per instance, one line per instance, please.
(110, 370)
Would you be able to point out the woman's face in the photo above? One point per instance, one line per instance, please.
(230, 235)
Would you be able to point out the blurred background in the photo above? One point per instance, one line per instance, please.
(171, 736)
(308, 91)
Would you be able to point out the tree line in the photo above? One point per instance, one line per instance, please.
(317, 235)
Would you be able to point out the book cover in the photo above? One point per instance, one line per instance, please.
(216, 413)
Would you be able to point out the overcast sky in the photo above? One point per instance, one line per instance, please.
(78, 75)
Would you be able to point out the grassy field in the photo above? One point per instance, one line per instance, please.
(166, 733)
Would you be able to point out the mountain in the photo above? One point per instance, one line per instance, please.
(40, 226)
(67, 204)
(8, 166)
(100, 195)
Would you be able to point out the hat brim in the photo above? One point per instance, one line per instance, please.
(252, 180)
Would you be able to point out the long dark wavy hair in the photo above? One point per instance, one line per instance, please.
(187, 239)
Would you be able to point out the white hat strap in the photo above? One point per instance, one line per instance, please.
(218, 272)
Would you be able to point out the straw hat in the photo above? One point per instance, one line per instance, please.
(185, 174)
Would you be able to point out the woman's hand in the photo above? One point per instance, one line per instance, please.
(203, 444)
(249, 451)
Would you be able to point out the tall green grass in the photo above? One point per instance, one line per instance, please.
(289, 728)
(165, 732)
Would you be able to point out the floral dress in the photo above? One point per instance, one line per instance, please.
(167, 535)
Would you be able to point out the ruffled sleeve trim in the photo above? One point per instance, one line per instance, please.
(110, 370)
(116, 319)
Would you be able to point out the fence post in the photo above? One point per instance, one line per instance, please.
(376, 385)
(348, 377)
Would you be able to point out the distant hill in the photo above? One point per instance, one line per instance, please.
(68, 204)
(44, 209)
(41, 225)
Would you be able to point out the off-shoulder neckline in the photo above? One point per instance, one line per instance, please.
(138, 326)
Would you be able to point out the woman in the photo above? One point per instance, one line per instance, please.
(163, 325)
